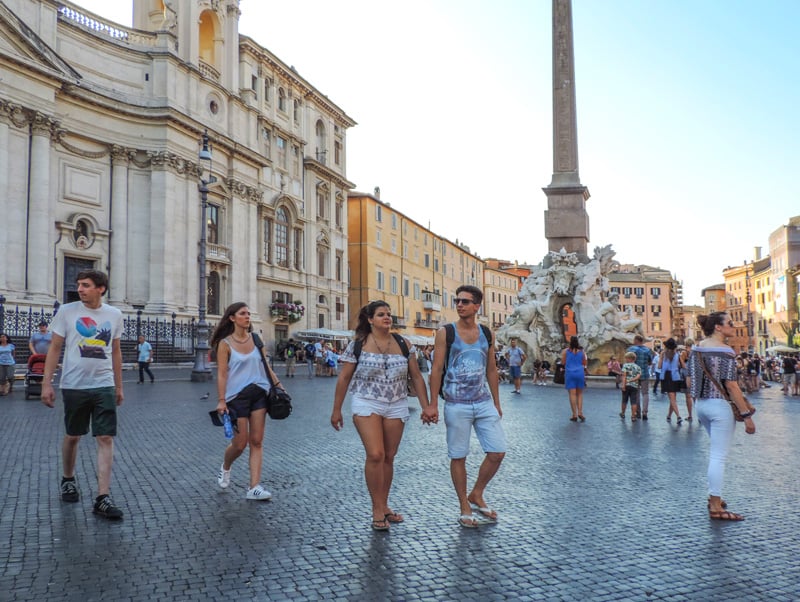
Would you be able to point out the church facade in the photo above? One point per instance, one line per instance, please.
(100, 130)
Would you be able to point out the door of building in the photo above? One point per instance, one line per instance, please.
(72, 267)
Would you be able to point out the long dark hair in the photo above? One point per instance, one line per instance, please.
(225, 326)
(363, 327)
(709, 322)
(574, 343)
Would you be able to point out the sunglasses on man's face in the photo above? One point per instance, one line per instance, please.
(460, 300)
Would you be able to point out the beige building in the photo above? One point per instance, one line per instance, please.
(394, 258)
(784, 251)
(100, 127)
(651, 295)
(500, 290)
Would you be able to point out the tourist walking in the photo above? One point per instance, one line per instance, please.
(574, 360)
(631, 374)
(89, 333)
(7, 365)
(242, 387)
(685, 353)
(465, 374)
(644, 356)
(375, 368)
(669, 364)
(145, 351)
(713, 410)
(516, 357)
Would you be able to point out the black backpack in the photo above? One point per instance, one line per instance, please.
(450, 337)
(400, 341)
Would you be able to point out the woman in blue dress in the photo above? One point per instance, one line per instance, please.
(574, 360)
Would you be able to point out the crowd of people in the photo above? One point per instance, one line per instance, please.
(379, 369)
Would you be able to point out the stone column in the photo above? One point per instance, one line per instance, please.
(4, 194)
(566, 223)
(38, 251)
(118, 287)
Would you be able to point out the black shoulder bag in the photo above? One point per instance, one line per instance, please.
(279, 402)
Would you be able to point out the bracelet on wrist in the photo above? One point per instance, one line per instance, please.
(746, 415)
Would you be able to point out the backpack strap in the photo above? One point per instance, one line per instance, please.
(357, 344)
(402, 344)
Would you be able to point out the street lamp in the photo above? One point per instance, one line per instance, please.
(201, 372)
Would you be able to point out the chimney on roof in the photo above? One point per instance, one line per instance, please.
(756, 253)
(377, 192)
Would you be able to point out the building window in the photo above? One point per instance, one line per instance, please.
(393, 284)
(296, 161)
(281, 142)
(282, 238)
(281, 99)
(394, 221)
(380, 283)
(394, 246)
(405, 249)
(322, 260)
(212, 300)
(322, 146)
(655, 292)
(656, 325)
(212, 224)
(378, 213)
(656, 309)
(427, 260)
(435, 264)
(405, 287)
(639, 309)
(338, 212)
(639, 292)
(339, 274)
(378, 239)
(267, 89)
(416, 291)
(267, 138)
(626, 292)
(322, 202)
(268, 240)
(296, 112)
(337, 152)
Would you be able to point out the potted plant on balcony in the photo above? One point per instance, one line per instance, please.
(290, 312)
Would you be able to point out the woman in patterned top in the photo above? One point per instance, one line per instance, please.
(377, 380)
(713, 410)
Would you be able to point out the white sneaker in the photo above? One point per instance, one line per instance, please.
(224, 478)
(258, 493)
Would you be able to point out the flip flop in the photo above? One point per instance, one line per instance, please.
(393, 517)
(467, 521)
(724, 515)
(380, 525)
(486, 513)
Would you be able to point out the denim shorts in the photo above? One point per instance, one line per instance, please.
(460, 418)
(515, 371)
(96, 405)
(361, 406)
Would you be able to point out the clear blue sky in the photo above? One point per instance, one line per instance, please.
(687, 117)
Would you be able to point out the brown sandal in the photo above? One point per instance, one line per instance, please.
(724, 515)
(722, 503)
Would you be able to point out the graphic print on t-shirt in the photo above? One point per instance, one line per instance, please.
(94, 338)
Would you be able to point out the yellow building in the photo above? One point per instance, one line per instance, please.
(394, 258)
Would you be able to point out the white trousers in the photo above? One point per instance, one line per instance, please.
(717, 418)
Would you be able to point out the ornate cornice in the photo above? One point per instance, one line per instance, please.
(43, 125)
(243, 190)
(14, 114)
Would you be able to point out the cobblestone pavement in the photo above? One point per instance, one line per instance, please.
(604, 510)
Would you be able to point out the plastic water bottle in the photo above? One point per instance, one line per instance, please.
(227, 426)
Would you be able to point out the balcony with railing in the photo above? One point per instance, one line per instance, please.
(208, 71)
(216, 252)
(433, 324)
(398, 322)
(74, 15)
(431, 301)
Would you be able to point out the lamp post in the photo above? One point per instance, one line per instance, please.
(201, 372)
(2, 312)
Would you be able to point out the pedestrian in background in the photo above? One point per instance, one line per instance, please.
(685, 353)
(713, 410)
(311, 354)
(516, 357)
(377, 378)
(574, 360)
(145, 351)
(291, 358)
(615, 370)
(40, 340)
(631, 374)
(644, 356)
(7, 365)
(242, 384)
(669, 363)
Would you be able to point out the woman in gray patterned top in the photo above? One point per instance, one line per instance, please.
(377, 378)
(713, 410)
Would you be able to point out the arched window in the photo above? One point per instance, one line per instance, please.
(282, 237)
(281, 99)
(212, 299)
(322, 259)
(208, 38)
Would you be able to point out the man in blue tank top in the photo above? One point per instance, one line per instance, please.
(469, 388)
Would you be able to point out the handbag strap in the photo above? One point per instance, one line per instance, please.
(723, 391)
(260, 345)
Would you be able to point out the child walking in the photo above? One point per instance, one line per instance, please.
(631, 373)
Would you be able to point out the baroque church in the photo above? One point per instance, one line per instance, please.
(101, 130)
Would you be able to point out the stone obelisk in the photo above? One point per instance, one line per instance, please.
(566, 223)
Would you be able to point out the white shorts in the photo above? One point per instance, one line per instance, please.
(361, 406)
